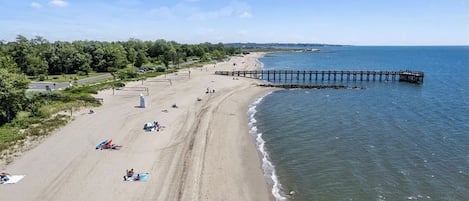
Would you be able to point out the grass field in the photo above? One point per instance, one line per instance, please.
(62, 78)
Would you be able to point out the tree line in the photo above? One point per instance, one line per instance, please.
(38, 56)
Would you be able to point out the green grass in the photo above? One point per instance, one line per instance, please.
(8, 135)
(46, 118)
(62, 78)
(48, 125)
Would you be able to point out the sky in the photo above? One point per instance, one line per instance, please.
(347, 22)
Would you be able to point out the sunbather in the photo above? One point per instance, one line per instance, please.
(4, 177)
(115, 146)
(130, 172)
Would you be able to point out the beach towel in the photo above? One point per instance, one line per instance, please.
(143, 177)
(101, 144)
(149, 127)
(13, 179)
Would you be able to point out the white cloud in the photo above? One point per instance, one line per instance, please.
(205, 31)
(242, 33)
(245, 14)
(36, 5)
(129, 2)
(163, 12)
(234, 8)
(58, 3)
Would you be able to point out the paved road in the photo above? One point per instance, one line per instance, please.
(41, 86)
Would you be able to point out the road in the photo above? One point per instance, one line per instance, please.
(41, 86)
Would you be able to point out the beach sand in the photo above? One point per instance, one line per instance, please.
(205, 151)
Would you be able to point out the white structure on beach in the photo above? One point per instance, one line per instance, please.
(143, 103)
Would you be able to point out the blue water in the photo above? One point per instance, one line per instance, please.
(391, 141)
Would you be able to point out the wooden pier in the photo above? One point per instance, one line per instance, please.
(328, 75)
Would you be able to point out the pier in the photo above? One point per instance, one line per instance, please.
(328, 75)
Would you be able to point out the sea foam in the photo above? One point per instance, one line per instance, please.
(267, 166)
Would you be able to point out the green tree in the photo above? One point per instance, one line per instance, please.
(7, 62)
(36, 65)
(22, 49)
(12, 94)
(141, 58)
(164, 61)
(131, 55)
(82, 63)
(115, 57)
(97, 60)
(199, 51)
(170, 55)
(159, 47)
(218, 55)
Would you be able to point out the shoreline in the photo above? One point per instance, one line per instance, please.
(268, 167)
(205, 151)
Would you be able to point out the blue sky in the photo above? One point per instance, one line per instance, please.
(354, 22)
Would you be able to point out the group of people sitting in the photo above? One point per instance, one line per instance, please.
(4, 177)
(157, 125)
(210, 91)
(111, 146)
(130, 174)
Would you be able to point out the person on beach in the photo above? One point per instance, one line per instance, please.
(115, 146)
(111, 146)
(4, 177)
(130, 173)
(155, 125)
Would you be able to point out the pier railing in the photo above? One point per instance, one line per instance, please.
(328, 75)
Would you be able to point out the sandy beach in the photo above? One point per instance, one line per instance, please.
(205, 151)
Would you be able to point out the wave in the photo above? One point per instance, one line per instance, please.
(267, 166)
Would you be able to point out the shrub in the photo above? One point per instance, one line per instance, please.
(81, 89)
(42, 77)
(48, 126)
(119, 84)
(160, 69)
(9, 135)
(24, 120)
(82, 73)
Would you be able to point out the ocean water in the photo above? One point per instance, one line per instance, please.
(390, 141)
